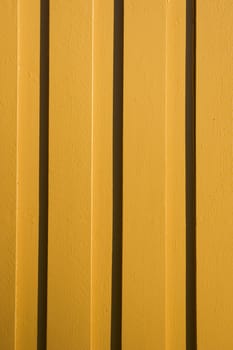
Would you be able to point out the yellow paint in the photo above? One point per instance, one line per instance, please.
(144, 175)
(175, 176)
(19, 110)
(102, 174)
(81, 174)
(214, 137)
(70, 174)
(80, 215)
(8, 170)
(28, 173)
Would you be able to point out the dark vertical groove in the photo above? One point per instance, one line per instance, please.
(43, 175)
(117, 175)
(191, 327)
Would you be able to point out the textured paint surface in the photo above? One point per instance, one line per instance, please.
(175, 176)
(214, 137)
(70, 175)
(143, 320)
(102, 174)
(85, 174)
(28, 174)
(8, 170)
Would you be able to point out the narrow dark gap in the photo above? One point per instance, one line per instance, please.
(116, 313)
(191, 326)
(43, 175)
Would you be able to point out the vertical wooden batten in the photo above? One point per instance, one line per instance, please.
(214, 145)
(102, 174)
(144, 197)
(70, 174)
(175, 176)
(28, 27)
(8, 171)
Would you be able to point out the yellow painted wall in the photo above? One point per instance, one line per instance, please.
(144, 202)
(70, 226)
(214, 142)
(8, 171)
(175, 211)
(28, 174)
(116, 175)
(102, 206)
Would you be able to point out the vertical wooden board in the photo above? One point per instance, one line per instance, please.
(143, 324)
(70, 175)
(102, 174)
(8, 170)
(214, 137)
(28, 173)
(175, 176)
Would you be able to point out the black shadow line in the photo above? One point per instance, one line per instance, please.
(191, 327)
(116, 312)
(43, 175)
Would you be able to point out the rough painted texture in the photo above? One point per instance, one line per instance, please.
(8, 170)
(70, 175)
(28, 174)
(143, 324)
(175, 176)
(214, 137)
(102, 175)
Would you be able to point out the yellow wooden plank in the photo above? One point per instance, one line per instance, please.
(175, 176)
(8, 170)
(214, 135)
(144, 175)
(28, 173)
(70, 174)
(102, 174)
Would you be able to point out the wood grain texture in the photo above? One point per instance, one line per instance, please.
(102, 175)
(143, 316)
(70, 174)
(175, 176)
(214, 132)
(8, 171)
(116, 78)
(28, 173)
